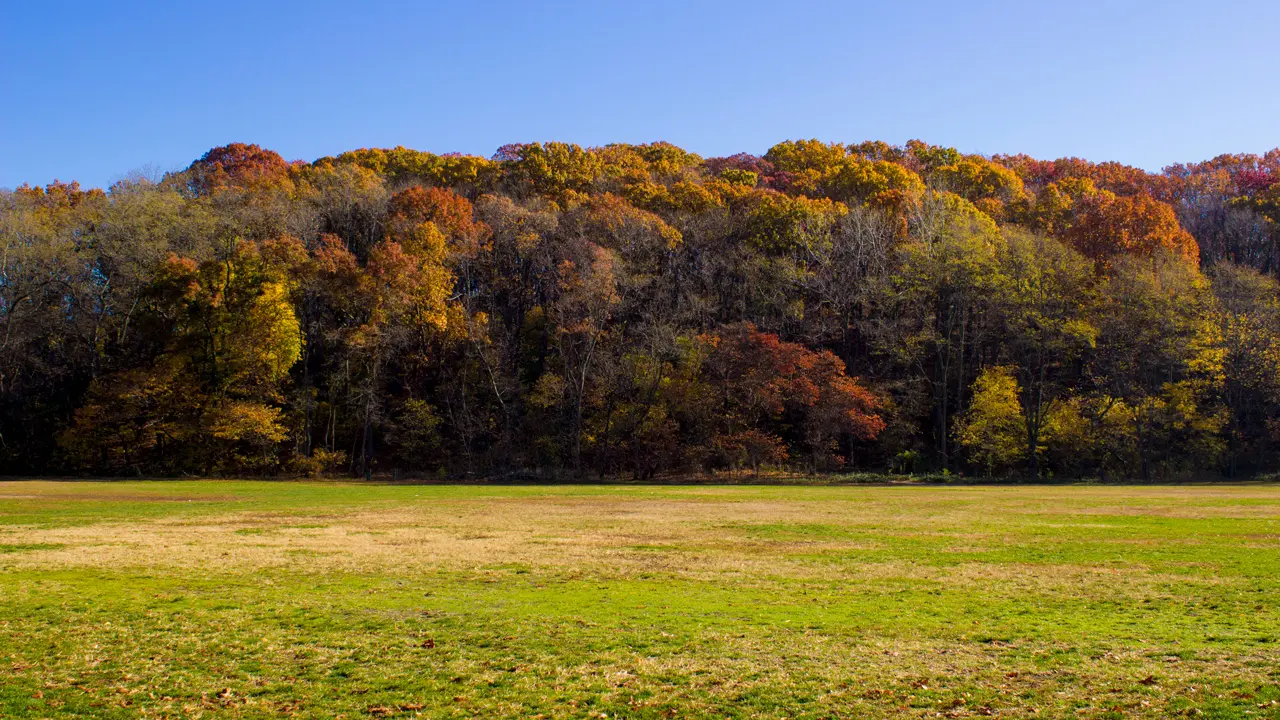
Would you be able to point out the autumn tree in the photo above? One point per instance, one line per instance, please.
(237, 165)
(1245, 322)
(1107, 225)
(551, 169)
(935, 317)
(761, 380)
(992, 430)
(226, 338)
(1048, 311)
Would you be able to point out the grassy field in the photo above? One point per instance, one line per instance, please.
(254, 600)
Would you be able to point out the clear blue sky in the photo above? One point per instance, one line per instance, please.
(90, 91)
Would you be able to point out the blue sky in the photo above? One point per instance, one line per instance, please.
(94, 90)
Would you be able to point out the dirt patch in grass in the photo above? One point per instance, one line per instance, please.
(844, 542)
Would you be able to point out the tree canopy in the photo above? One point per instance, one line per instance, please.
(639, 310)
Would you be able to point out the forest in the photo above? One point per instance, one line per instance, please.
(641, 312)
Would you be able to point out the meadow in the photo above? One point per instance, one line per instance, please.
(231, 599)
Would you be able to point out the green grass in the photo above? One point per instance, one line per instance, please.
(321, 600)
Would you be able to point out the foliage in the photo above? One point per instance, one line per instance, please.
(992, 430)
(638, 310)
(1107, 225)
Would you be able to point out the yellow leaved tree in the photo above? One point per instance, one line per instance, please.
(992, 432)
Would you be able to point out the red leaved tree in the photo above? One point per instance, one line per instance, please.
(776, 394)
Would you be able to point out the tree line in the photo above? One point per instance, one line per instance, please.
(640, 311)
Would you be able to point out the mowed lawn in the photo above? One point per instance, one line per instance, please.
(326, 600)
